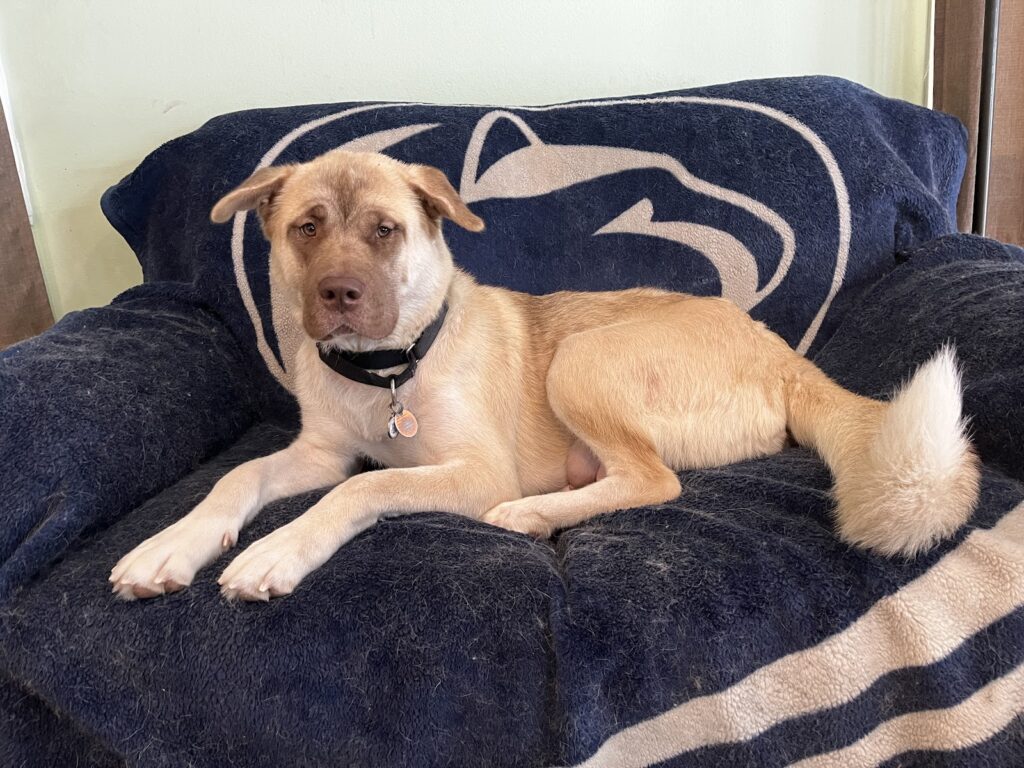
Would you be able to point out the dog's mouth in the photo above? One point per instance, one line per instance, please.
(341, 330)
(333, 327)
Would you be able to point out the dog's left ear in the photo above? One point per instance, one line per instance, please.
(440, 198)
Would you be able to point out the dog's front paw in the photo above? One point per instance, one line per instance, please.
(168, 561)
(520, 516)
(270, 567)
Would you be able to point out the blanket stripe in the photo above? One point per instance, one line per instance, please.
(975, 585)
(970, 722)
(912, 689)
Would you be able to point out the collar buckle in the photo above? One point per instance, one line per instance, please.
(410, 355)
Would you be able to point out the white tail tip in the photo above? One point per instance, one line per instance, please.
(917, 482)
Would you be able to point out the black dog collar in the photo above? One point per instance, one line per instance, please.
(357, 365)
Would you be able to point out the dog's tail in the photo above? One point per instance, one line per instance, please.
(905, 474)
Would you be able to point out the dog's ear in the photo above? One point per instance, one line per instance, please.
(255, 192)
(440, 198)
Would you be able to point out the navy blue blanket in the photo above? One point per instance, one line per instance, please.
(787, 196)
(729, 627)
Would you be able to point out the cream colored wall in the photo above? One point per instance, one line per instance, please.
(95, 84)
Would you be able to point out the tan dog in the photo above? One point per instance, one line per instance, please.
(535, 412)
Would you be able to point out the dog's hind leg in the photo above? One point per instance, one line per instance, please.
(601, 410)
(629, 484)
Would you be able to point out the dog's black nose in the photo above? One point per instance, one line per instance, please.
(340, 293)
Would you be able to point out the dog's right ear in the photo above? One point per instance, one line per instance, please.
(255, 192)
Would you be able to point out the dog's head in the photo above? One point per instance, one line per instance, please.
(355, 241)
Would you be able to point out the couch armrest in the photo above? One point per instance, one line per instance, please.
(960, 289)
(105, 409)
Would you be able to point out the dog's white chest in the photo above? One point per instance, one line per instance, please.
(357, 416)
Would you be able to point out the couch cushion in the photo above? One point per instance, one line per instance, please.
(961, 290)
(732, 627)
(435, 640)
(107, 408)
(426, 642)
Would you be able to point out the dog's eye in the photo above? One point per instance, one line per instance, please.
(308, 229)
(384, 230)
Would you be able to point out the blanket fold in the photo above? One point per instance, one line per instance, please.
(105, 409)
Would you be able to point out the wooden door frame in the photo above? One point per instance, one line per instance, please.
(25, 310)
(966, 81)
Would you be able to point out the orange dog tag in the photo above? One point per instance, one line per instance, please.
(406, 423)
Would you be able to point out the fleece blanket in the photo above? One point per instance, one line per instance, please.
(786, 196)
(729, 627)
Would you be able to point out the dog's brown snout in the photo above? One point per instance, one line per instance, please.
(340, 293)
